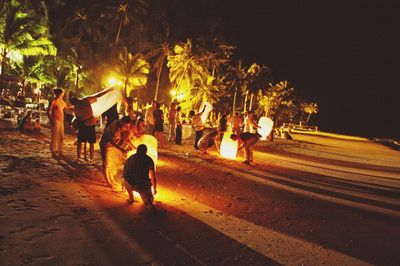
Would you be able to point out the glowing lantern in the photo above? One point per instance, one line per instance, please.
(206, 113)
(228, 146)
(266, 125)
(186, 131)
(151, 144)
(106, 101)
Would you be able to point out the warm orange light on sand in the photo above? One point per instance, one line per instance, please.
(228, 147)
(265, 129)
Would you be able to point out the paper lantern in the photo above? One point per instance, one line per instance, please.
(151, 144)
(186, 131)
(206, 113)
(228, 147)
(266, 124)
(106, 101)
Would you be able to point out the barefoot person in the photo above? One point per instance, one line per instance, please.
(158, 116)
(86, 123)
(140, 176)
(55, 113)
(246, 140)
(198, 125)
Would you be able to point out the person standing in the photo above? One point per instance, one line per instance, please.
(149, 118)
(86, 123)
(159, 125)
(140, 175)
(198, 125)
(236, 122)
(249, 124)
(171, 120)
(178, 126)
(246, 140)
(55, 113)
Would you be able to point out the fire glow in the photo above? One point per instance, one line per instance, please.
(228, 147)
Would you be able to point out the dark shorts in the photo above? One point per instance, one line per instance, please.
(87, 134)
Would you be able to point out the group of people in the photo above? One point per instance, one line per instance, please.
(139, 172)
(27, 125)
(246, 138)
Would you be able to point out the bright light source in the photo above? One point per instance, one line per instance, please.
(180, 96)
(111, 81)
(228, 146)
(266, 125)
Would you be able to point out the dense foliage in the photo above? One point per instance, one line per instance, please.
(149, 46)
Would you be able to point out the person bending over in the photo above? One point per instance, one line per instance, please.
(139, 175)
(207, 141)
(246, 140)
(113, 136)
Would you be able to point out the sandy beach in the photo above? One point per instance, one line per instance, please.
(313, 200)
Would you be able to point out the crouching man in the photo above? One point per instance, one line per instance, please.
(139, 175)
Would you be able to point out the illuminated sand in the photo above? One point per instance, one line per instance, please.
(297, 205)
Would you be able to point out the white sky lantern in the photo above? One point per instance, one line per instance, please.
(228, 146)
(106, 101)
(204, 116)
(266, 124)
(186, 131)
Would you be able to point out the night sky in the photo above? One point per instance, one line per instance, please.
(343, 55)
(340, 54)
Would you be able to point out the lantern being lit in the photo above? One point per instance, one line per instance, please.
(228, 146)
(266, 125)
(151, 144)
(106, 101)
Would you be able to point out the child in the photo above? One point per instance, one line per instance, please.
(36, 126)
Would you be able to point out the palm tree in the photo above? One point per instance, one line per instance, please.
(237, 80)
(28, 70)
(310, 108)
(133, 69)
(21, 33)
(162, 52)
(259, 78)
(123, 20)
(277, 98)
(185, 69)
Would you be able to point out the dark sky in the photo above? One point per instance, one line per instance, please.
(340, 54)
